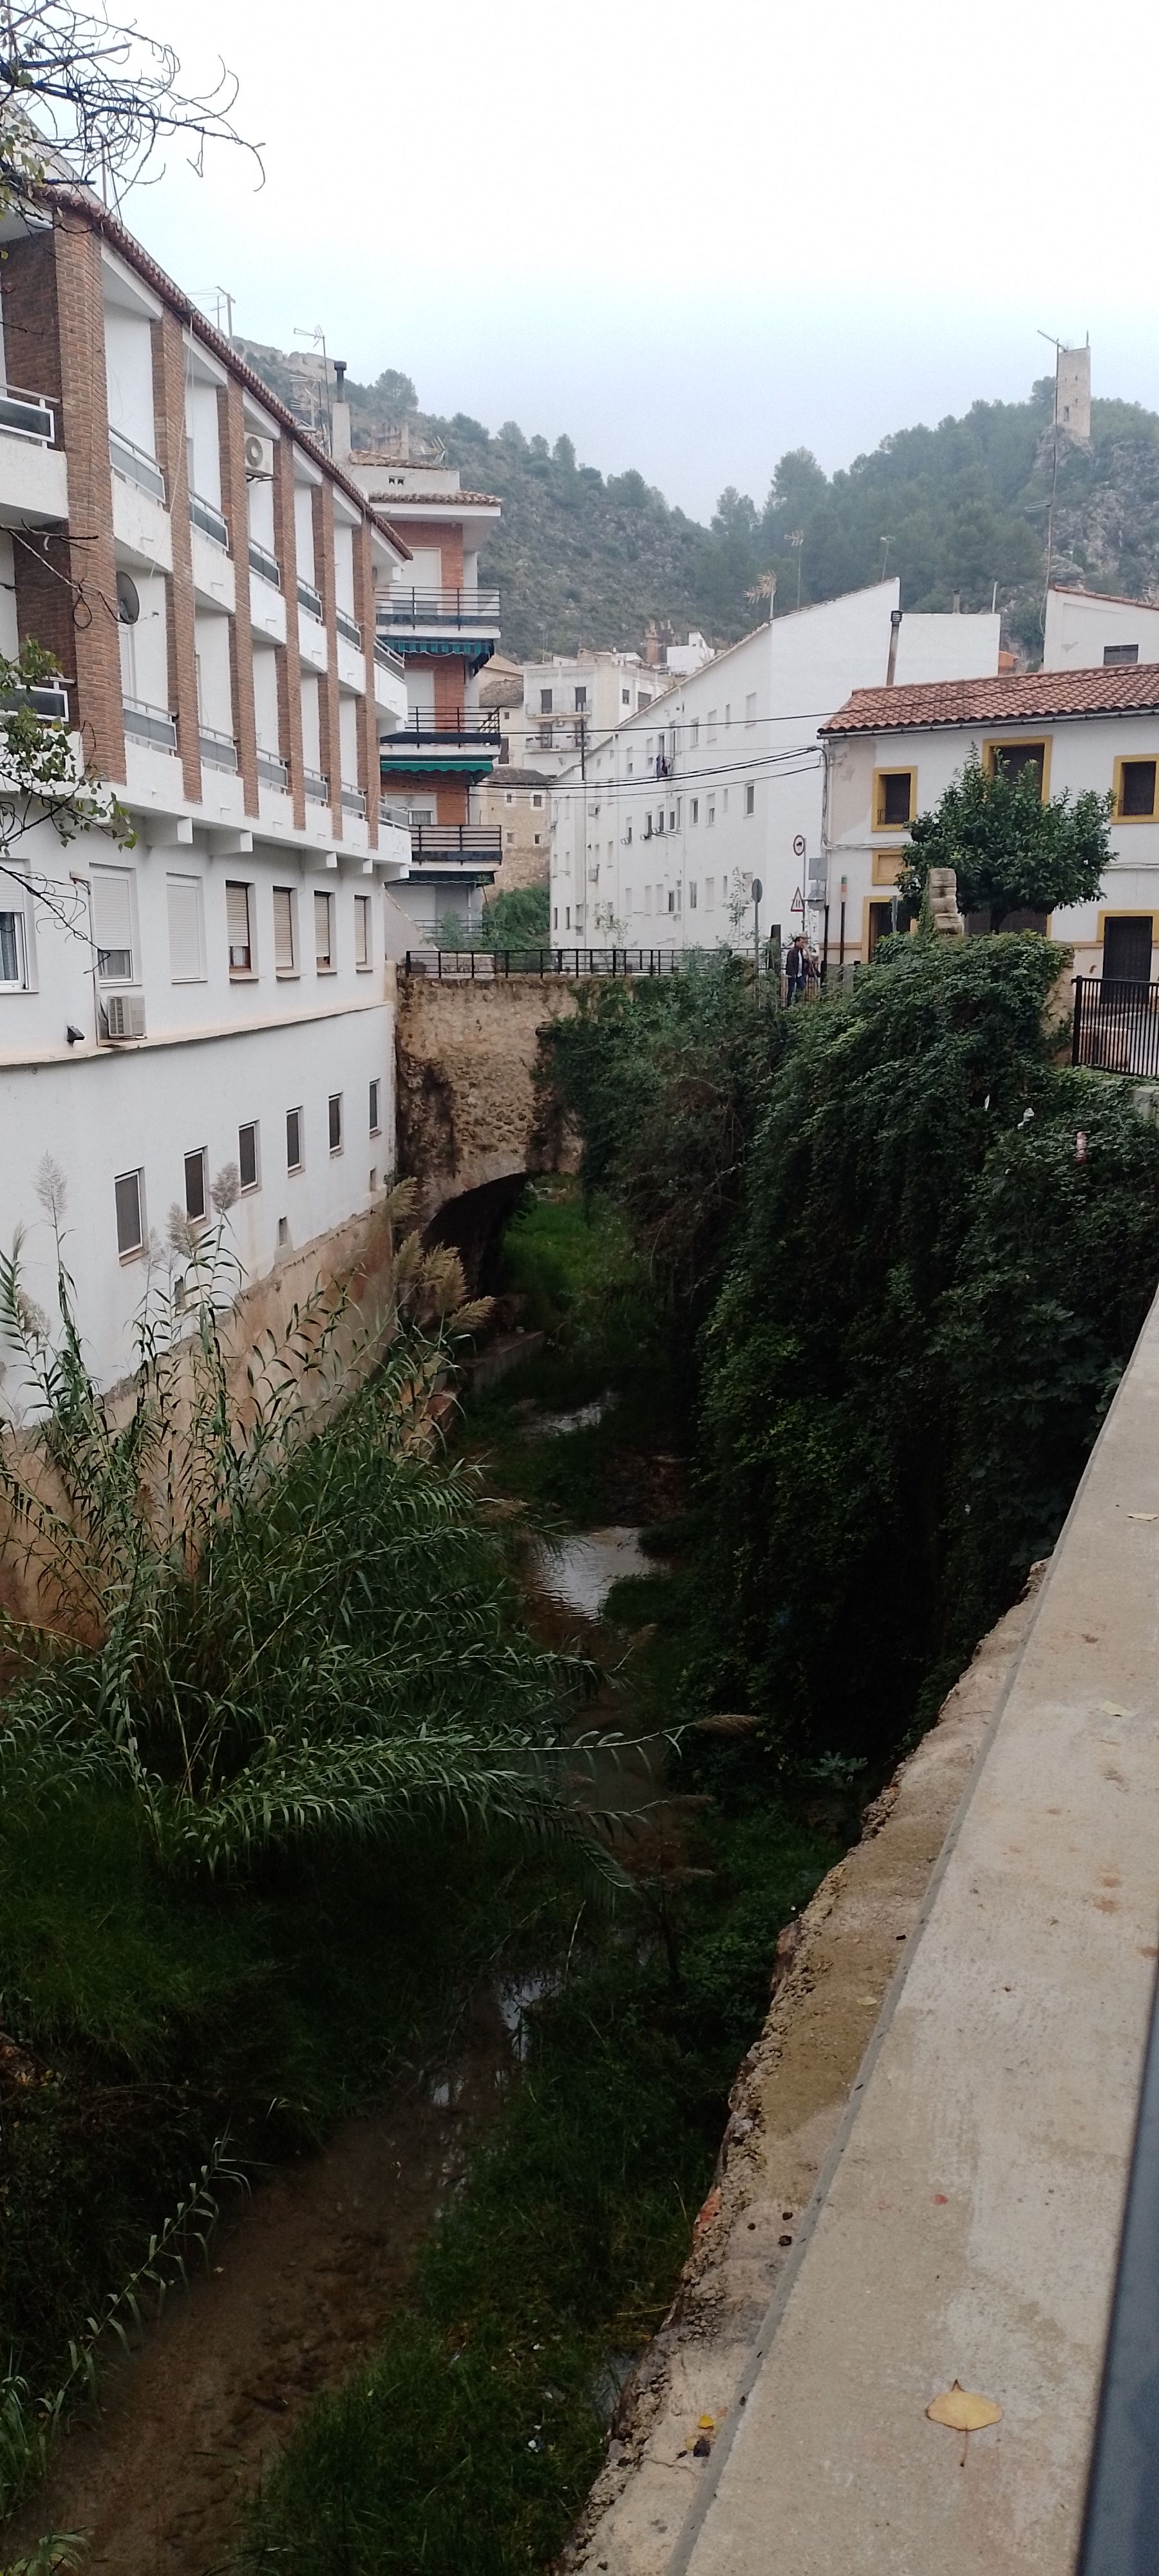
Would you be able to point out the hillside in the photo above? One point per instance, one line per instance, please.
(586, 558)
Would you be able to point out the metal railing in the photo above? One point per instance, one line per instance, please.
(486, 965)
(310, 599)
(390, 660)
(1116, 1026)
(273, 770)
(397, 817)
(265, 564)
(129, 460)
(218, 750)
(456, 731)
(149, 724)
(457, 841)
(438, 608)
(206, 516)
(354, 800)
(1121, 2522)
(348, 626)
(317, 787)
(26, 415)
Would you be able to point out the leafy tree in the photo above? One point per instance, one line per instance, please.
(396, 390)
(44, 784)
(1012, 849)
(519, 919)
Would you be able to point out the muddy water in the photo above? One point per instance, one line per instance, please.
(580, 1570)
(304, 2277)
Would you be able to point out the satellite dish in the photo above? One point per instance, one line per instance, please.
(128, 599)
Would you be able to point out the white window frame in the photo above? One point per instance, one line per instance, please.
(250, 1127)
(374, 1105)
(130, 1251)
(363, 922)
(326, 965)
(300, 1165)
(335, 1102)
(16, 911)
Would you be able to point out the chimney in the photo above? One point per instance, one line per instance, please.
(956, 604)
(340, 416)
(894, 638)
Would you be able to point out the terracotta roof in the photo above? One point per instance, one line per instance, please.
(1022, 697)
(429, 500)
(1117, 598)
(77, 201)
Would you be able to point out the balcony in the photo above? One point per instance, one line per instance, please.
(310, 599)
(152, 725)
(398, 610)
(317, 787)
(455, 847)
(462, 743)
(349, 627)
(395, 818)
(389, 660)
(205, 516)
(33, 473)
(218, 750)
(266, 565)
(273, 771)
(132, 463)
(353, 800)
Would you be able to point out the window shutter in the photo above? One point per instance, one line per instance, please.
(237, 919)
(113, 924)
(284, 930)
(322, 940)
(185, 942)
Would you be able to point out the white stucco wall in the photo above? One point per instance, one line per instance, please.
(1080, 626)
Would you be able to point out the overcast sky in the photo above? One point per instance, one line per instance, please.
(690, 235)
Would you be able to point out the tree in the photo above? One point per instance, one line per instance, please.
(518, 919)
(1012, 849)
(103, 94)
(396, 391)
(40, 782)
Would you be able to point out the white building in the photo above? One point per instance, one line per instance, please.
(219, 993)
(719, 782)
(569, 700)
(1087, 628)
(891, 753)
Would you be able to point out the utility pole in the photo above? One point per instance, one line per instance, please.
(227, 300)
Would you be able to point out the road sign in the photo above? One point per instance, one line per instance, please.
(798, 845)
(798, 902)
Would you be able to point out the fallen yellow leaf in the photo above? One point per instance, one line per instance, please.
(963, 2409)
(707, 2423)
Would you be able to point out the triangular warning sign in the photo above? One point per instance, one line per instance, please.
(798, 902)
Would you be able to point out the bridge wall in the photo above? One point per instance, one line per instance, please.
(473, 1107)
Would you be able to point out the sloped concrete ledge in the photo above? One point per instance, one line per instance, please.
(968, 2223)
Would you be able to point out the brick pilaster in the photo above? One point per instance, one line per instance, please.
(328, 687)
(66, 583)
(289, 662)
(368, 775)
(172, 457)
(235, 511)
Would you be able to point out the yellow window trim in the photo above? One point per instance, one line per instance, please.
(867, 902)
(887, 866)
(879, 776)
(1015, 742)
(1132, 761)
(1124, 912)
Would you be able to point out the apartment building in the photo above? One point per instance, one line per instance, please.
(431, 610)
(570, 700)
(717, 783)
(891, 753)
(517, 802)
(216, 995)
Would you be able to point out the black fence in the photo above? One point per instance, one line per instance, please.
(487, 965)
(1116, 1026)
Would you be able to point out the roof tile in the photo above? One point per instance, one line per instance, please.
(1020, 697)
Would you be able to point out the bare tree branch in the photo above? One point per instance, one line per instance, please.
(100, 92)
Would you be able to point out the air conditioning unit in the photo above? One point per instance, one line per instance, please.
(124, 1015)
(259, 456)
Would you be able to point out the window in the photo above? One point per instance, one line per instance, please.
(710, 811)
(129, 1194)
(238, 928)
(334, 1118)
(509, 796)
(724, 800)
(625, 697)
(694, 733)
(750, 797)
(537, 800)
(692, 896)
(710, 894)
(195, 1189)
(1119, 653)
(112, 916)
(1135, 791)
(567, 917)
(324, 933)
(727, 718)
(362, 932)
(285, 931)
(375, 1107)
(1018, 760)
(555, 918)
(545, 702)
(750, 708)
(673, 817)
(186, 930)
(693, 809)
(893, 799)
(538, 839)
(581, 699)
(545, 737)
(1128, 939)
(293, 1140)
(247, 1155)
(12, 950)
(712, 724)
(880, 924)
(647, 898)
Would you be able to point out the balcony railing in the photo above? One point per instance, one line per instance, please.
(398, 608)
(456, 730)
(131, 461)
(353, 800)
(218, 750)
(47, 700)
(309, 599)
(1116, 1026)
(150, 724)
(265, 564)
(272, 770)
(389, 661)
(457, 841)
(26, 415)
(348, 626)
(210, 521)
(317, 787)
(397, 817)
